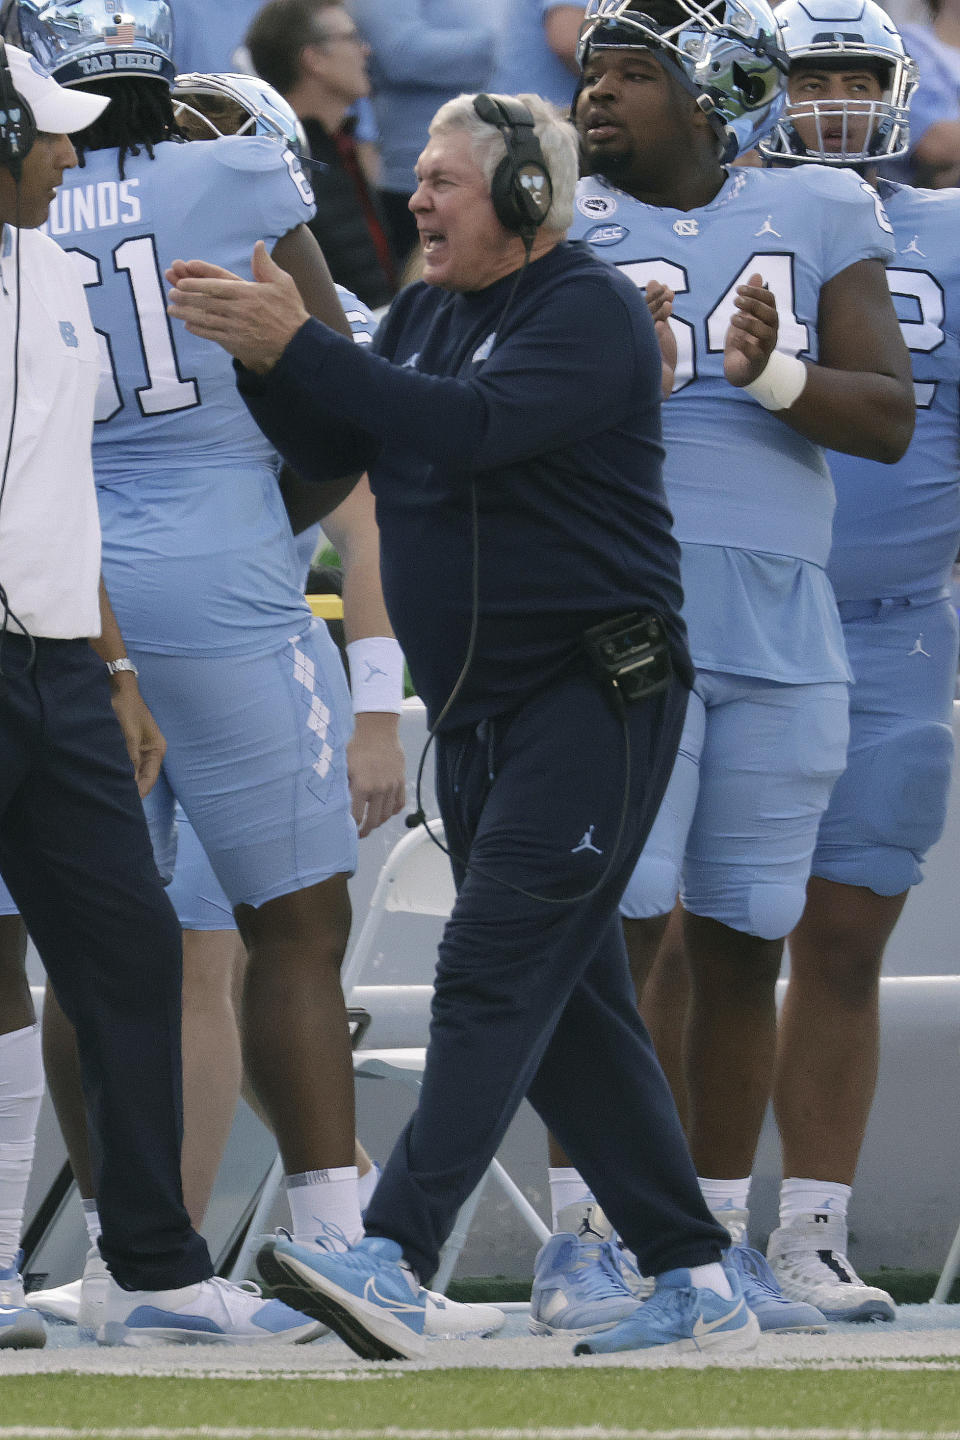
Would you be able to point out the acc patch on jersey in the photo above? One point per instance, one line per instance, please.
(595, 206)
(606, 234)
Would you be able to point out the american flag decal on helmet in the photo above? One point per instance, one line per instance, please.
(122, 33)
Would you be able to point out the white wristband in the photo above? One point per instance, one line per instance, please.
(376, 674)
(779, 383)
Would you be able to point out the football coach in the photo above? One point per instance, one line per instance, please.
(509, 416)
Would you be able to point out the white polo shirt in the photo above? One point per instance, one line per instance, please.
(49, 529)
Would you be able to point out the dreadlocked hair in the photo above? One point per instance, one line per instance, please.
(139, 116)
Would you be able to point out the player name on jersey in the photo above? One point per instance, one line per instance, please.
(94, 206)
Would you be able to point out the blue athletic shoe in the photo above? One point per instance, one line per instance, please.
(767, 1301)
(20, 1327)
(679, 1317)
(366, 1294)
(578, 1288)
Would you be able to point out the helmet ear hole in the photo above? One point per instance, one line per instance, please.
(752, 87)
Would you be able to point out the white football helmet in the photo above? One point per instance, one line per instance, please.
(727, 54)
(267, 112)
(838, 33)
(82, 40)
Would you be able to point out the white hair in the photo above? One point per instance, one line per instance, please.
(558, 141)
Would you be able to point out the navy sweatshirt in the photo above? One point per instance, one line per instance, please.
(553, 415)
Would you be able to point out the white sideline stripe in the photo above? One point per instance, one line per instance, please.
(390, 1432)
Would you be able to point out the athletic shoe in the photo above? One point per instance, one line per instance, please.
(767, 1301)
(578, 1288)
(213, 1312)
(20, 1327)
(679, 1318)
(450, 1320)
(367, 1294)
(734, 1221)
(81, 1302)
(808, 1258)
(641, 1287)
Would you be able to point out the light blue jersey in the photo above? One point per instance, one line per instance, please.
(198, 556)
(897, 527)
(752, 500)
(896, 534)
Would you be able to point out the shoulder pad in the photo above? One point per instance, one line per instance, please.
(245, 152)
(833, 182)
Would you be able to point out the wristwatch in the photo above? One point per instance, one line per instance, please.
(116, 667)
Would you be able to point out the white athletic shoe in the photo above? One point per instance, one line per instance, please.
(20, 1327)
(809, 1260)
(81, 1302)
(451, 1320)
(212, 1312)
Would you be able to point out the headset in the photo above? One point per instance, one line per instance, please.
(521, 188)
(18, 129)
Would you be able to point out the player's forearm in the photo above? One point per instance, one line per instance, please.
(854, 412)
(352, 529)
(109, 645)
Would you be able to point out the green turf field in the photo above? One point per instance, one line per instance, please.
(611, 1404)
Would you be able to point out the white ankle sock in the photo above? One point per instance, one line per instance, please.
(567, 1187)
(21, 1089)
(91, 1219)
(366, 1184)
(803, 1197)
(725, 1194)
(324, 1203)
(712, 1277)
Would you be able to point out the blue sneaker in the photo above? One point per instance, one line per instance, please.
(767, 1301)
(679, 1317)
(577, 1288)
(366, 1294)
(212, 1312)
(20, 1327)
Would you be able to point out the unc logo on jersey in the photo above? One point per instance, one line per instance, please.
(593, 206)
(69, 335)
(606, 235)
(686, 227)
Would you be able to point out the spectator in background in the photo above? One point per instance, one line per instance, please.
(311, 51)
(210, 37)
(934, 158)
(539, 49)
(423, 53)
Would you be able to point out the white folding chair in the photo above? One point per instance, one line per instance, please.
(415, 880)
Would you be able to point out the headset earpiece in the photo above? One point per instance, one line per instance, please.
(521, 189)
(18, 129)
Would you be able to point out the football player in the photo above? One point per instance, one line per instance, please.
(895, 535)
(787, 341)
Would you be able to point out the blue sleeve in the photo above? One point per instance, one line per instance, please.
(937, 97)
(411, 51)
(531, 396)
